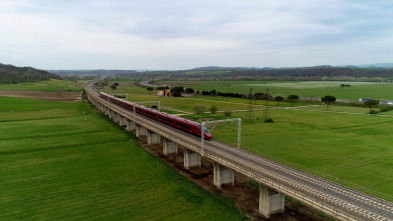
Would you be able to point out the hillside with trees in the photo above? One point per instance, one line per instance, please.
(315, 73)
(10, 74)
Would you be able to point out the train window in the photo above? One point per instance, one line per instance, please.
(184, 125)
(150, 114)
(165, 119)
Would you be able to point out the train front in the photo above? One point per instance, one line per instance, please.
(206, 133)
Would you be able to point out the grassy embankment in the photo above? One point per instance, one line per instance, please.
(55, 165)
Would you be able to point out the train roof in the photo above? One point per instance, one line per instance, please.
(176, 118)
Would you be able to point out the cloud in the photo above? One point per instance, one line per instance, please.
(17, 56)
(234, 33)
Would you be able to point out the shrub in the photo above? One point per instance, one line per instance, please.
(228, 113)
(199, 109)
(189, 90)
(268, 120)
(213, 109)
(373, 112)
(386, 109)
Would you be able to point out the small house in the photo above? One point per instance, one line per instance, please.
(165, 92)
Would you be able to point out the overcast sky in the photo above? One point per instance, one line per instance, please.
(181, 34)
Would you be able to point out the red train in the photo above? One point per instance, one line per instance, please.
(174, 121)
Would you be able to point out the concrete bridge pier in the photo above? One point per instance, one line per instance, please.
(106, 111)
(153, 138)
(270, 201)
(111, 114)
(97, 105)
(116, 117)
(123, 121)
(130, 125)
(140, 131)
(222, 175)
(191, 159)
(169, 147)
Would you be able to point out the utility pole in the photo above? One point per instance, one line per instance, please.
(266, 113)
(250, 104)
(205, 123)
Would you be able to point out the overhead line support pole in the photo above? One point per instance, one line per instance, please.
(202, 139)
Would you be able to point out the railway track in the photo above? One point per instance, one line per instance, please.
(336, 200)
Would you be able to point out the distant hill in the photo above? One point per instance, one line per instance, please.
(93, 72)
(315, 73)
(377, 65)
(217, 68)
(10, 74)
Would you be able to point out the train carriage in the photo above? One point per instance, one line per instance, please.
(174, 121)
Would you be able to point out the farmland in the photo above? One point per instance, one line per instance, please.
(51, 85)
(53, 160)
(315, 89)
(344, 144)
(344, 148)
(64, 161)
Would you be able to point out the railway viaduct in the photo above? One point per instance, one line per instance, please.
(276, 180)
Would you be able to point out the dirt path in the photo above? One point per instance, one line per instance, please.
(45, 95)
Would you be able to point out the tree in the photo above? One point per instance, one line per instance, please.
(113, 87)
(342, 86)
(189, 90)
(278, 99)
(292, 98)
(198, 109)
(371, 103)
(213, 109)
(177, 91)
(227, 113)
(116, 84)
(327, 100)
(149, 89)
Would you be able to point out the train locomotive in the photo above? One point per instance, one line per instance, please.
(174, 121)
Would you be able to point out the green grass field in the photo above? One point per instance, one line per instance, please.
(351, 149)
(55, 165)
(185, 104)
(316, 89)
(343, 144)
(51, 85)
